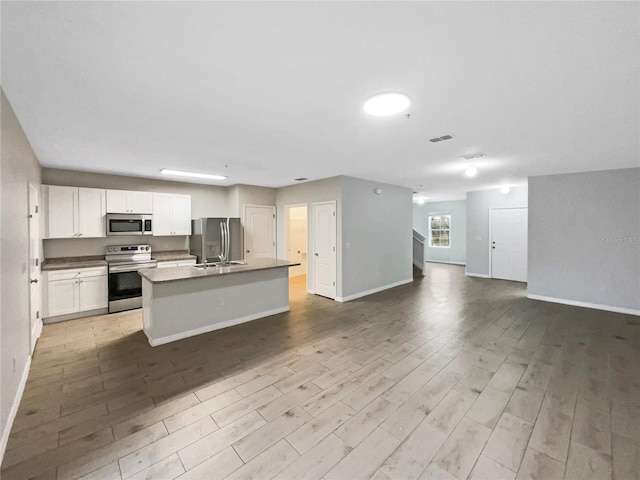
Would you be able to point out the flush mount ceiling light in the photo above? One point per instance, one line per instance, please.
(386, 104)
(180, 173)
(504, 190)
(471, 171)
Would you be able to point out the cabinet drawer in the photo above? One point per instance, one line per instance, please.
(79, 273)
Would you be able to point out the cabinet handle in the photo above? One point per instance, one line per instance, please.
(34, 280)
(79, 234)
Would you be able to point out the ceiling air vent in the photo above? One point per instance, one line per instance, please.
(440, 139)
(471, 156)
(300, 179)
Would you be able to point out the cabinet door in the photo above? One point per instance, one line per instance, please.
(117, 201)
(62, 212)
(93, 293)
(91, 212)
(63, 297)
(181, 214)
(162, 214)
(140, 202)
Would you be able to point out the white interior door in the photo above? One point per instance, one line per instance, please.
(34, 266)
(509, 244)
(259, 231)
(324, 249)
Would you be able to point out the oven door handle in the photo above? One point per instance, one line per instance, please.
(130, 268)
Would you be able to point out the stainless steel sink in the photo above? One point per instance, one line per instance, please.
(202, 266)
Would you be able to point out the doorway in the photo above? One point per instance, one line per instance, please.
(297, 226)
(35, 322)
(259, 231)
(296, 235)
(508, 245)
(324, 249)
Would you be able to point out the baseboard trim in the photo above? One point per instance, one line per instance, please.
(154, 342)
(35, 334)
(14, 408)
(73, 316)
(479, 275)
(373, 290)
(447, 262)
(574, 303)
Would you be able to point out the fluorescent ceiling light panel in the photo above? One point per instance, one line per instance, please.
(386, 104)
(504, 190)
(180, 173)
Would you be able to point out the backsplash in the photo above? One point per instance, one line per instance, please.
(80, 247)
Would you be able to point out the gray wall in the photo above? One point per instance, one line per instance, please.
(206, 201)
(18, 167)
(306, 193)
(241, 195)
(376, 235)
(584, 237)
(457, 252)
(478, 205)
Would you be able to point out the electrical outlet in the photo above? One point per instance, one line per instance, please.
(221, 302)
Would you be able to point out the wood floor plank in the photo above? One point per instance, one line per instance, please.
(412, 379)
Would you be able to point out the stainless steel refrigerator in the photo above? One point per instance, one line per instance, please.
(212, 237)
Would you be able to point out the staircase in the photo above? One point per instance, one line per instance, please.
(419, 252)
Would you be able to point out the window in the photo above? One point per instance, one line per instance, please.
(439, 231)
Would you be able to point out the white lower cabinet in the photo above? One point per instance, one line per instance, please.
(74, 291)
(93, 293)
(64, 297)
(176, 263)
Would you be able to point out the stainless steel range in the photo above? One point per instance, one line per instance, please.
(125, 285)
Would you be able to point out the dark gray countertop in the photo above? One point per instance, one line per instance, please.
(175, 274)
(71, 263)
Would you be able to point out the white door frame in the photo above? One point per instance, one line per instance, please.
(491, 209)
(311, 239)
(34, 212)
(275, 226)
(286, 233)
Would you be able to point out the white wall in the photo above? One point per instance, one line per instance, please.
(457, 252)
(376, 236)
(584, 238)
(18, 167)
(478, 205)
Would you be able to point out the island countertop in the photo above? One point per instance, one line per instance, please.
(175, 274)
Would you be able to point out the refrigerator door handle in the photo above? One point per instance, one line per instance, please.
(223, 239)
(228, 241)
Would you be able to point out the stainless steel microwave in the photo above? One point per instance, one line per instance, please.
(129, 224)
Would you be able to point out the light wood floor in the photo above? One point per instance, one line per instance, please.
(448, 377)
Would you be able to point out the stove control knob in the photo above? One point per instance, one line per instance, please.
(147, 248)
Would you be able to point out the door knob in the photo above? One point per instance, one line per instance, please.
(34, 280)
(248, 251)
(316, 254)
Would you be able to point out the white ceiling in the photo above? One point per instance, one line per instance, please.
(266, 92)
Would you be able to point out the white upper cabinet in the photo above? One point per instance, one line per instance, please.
(73, 212)
(125, 201)
(171, 214)
(92, 208)
(62, 211)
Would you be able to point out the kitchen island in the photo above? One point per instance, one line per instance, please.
(181, 302)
